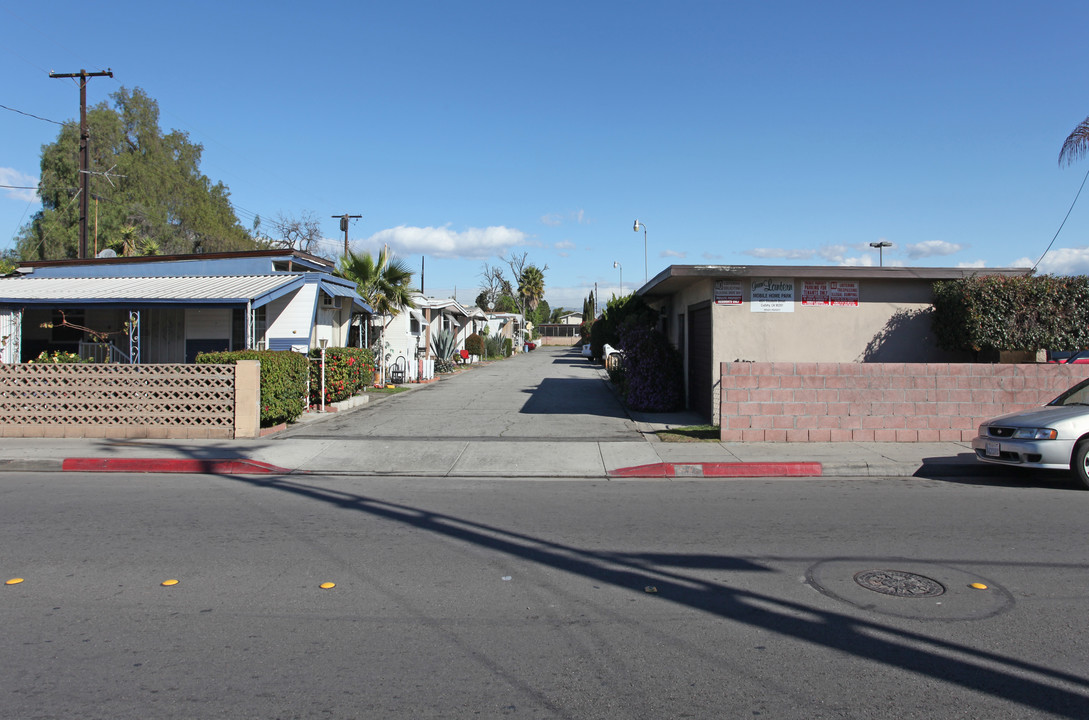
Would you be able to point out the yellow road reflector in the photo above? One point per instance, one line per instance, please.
(14, 581)
(168, 583)
(978, 586)
(327, 586)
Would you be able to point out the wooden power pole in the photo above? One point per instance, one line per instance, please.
(344, 227)
(84, 159)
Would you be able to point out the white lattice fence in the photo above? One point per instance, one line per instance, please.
(114, 400)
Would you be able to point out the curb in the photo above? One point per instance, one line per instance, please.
(236, 466)
(729, 470)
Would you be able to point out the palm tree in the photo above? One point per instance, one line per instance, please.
(383, 283)
(1077, 143)
(531, 287)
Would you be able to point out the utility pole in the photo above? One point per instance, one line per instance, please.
(84, 140)
(344, 227)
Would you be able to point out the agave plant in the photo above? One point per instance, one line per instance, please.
(444, 344)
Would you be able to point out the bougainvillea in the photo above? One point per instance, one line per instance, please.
(652, 370)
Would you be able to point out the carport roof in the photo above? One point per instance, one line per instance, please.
(228, 289)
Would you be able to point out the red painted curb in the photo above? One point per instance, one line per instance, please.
(172, 465)
(738, 470)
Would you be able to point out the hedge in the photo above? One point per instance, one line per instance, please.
(1012, 313)
(348, 371)
(283, 380)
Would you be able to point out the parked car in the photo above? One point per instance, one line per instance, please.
(1053, 437)
(1077, 357)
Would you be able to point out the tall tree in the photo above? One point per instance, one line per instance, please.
(531, 286)
(140, 178)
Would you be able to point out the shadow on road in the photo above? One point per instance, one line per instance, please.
(946, 662)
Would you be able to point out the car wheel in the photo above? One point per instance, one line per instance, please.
(1079, 464)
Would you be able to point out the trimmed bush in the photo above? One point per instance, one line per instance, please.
(475, 345)
(283, 380)
(508, 347)
(1012, 313)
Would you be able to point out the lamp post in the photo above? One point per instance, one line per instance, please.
(618, 265)
(636, 229)
(323, 342)
(881, 251)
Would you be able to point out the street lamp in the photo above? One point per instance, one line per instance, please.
(881, 251)
(636, 229)
(618, 265)
(324, 342)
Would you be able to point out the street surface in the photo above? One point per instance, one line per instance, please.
(552, 393)
(538, 599)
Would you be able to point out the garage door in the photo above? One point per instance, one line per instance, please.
(700, 385)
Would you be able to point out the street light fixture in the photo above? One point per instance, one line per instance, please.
(881, 251)
(618, 265)
(636, 229)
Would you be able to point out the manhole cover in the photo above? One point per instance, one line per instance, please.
(899, 584)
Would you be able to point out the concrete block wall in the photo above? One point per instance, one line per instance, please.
(879, 402)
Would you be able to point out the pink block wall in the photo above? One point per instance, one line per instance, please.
(879, 402)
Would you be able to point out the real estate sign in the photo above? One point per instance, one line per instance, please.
(772, 295)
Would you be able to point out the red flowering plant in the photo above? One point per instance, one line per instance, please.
(347, 372)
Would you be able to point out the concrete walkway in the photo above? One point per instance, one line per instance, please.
(455, 428)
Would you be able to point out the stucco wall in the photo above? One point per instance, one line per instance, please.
(879, 402)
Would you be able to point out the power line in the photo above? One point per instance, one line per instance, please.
(36, 117)
(1062, 223)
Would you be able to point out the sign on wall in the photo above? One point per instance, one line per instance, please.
(836, 293)
(727, 292)
(772, 295)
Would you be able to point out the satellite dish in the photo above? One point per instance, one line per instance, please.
(107, 253)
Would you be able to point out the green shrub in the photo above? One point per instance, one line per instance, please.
(508, 347)
(475, 345)
(283, 380)
(493, 346)
(630, 309)
(1012, 313)
(347, 372)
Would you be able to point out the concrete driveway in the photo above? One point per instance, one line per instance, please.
(552, 393)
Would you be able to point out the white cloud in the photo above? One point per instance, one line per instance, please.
(973, 264)
(473, 244)
(711, 256)
(565, 245)
(859, 261)
(672, 253)
(1062, 261)
(9, 176)
(780, 253)
(555, 219)
(930, 248)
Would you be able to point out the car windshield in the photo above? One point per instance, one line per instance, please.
(1077, 395)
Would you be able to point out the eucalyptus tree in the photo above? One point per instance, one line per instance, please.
(141, 178)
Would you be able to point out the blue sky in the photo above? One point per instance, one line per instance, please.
(783, 133)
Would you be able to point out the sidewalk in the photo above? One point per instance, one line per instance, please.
(644, 456)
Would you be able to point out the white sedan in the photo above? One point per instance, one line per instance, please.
(1053, 437)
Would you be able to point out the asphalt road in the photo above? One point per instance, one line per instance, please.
(538, 599)
(552, 393)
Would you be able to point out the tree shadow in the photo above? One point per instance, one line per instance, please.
(943, 661)
(906, 337)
